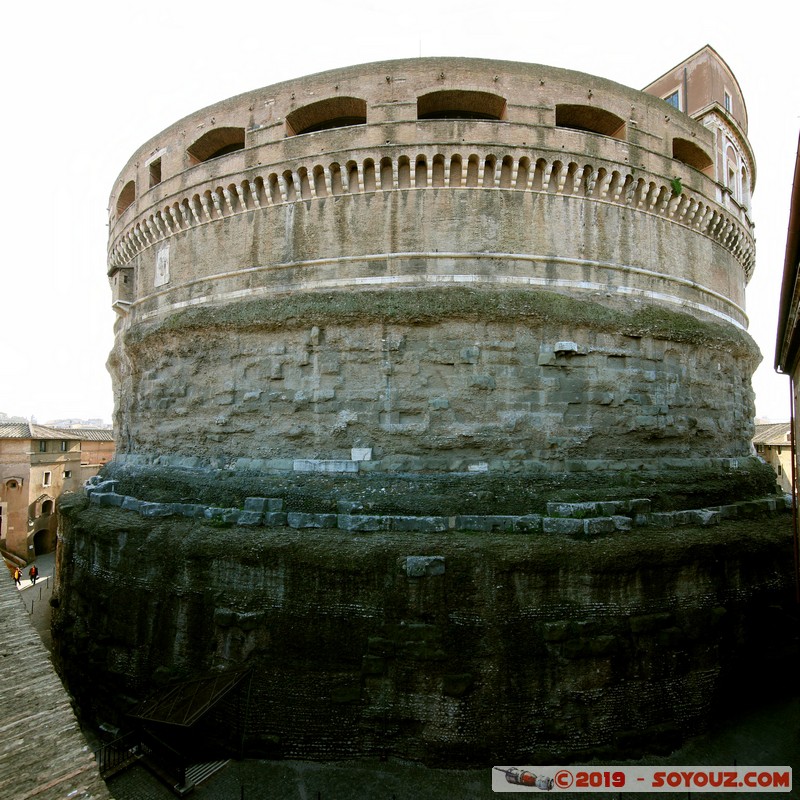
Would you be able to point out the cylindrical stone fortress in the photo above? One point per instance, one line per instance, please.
(438, 265)
(432, 387)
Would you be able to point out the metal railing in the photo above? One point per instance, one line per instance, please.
(120, 753)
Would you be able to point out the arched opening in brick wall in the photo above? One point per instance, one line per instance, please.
(590, 119)
(745, 188)
(126, 196)
(44, 541)
(693, 155)
(461, 104)
(334, 112)
(216, 143)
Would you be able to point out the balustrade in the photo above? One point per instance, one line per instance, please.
(488, 171)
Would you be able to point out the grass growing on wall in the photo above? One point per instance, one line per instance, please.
(431, 305)
(435, 494)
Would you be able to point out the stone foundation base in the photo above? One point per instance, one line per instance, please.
(449, 648)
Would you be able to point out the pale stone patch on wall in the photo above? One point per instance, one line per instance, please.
(162, 266)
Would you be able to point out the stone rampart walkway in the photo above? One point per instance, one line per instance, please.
(43, 754)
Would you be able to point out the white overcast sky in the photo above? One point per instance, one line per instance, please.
(86, 83)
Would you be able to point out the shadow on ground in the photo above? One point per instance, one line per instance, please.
(768, 735)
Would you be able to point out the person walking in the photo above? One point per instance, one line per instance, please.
(33, 573)
(17, 576)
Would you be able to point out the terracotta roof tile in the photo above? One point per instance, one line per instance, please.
(772, 434)
(28, 430)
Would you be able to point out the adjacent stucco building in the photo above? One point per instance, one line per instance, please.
(37, 464)
(773, 443)
(787, 350)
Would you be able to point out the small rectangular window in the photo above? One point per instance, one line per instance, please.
(64, 446)
(674, 99)
(67, 473)
(42, 446)
(46, 479)
(155, 172)
(728, 102)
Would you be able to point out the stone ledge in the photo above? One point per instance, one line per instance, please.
(418, 464)
(608, 508)
(327, 465)
(424, 566)
(579, 520)
(299, 519)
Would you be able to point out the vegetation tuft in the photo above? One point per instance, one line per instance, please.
(430, 306)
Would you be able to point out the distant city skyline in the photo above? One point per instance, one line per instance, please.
(69, 422)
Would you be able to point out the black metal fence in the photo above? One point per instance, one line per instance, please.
(117, 755)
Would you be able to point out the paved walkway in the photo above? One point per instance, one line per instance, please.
(43, 754)
(37, 597)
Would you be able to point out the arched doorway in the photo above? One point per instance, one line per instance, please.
(44, 541)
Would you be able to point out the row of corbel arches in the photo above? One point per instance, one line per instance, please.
(564, 177)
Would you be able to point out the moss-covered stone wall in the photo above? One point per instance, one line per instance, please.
(449, 648)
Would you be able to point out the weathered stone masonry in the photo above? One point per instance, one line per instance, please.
(448, 648)
(441, 260)
(517, 392)
(433, 407)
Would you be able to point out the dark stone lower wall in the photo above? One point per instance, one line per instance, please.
(516, 646)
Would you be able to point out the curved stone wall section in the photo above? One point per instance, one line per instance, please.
(514, 394)
(630, 209)
(313, 221)
(557, 241)
(387, 173)
(453, 124)
(450, 649)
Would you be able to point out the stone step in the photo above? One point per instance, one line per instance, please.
(198, 773)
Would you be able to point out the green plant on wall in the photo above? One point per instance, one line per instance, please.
(677, 186)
